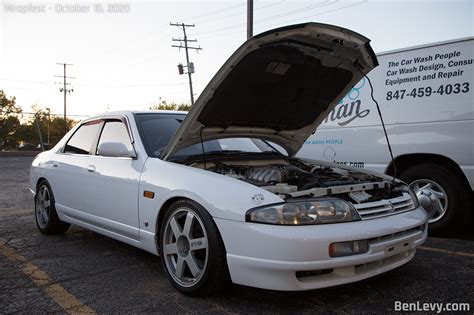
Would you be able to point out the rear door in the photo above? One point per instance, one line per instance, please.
(111, 183)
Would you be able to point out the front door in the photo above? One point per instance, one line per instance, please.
(111, 184)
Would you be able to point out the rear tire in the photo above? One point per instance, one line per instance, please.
(46, 217)
(442, 189)
(191, 249)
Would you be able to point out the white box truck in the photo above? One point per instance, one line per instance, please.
(426, 97)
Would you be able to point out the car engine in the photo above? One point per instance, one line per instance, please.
(294, 177)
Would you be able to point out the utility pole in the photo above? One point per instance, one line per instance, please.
(38, 128)
(65, 84)
(249, 18)
(189, 65)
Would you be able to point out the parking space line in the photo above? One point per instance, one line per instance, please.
(54, 290)
(445, 251)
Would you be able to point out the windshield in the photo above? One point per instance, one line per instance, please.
(156, 131)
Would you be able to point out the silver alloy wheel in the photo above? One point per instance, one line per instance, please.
(42, 206)
(185, 247)
(432, 197)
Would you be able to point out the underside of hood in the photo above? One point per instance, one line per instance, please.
(278, 86)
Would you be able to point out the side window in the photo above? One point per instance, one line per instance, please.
(83, 139)
(115, 131)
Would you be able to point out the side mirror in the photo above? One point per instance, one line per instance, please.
(115, 149)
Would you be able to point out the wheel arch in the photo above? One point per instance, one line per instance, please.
(165, 206)
(38, 182)
(406, 161)
(161, 214)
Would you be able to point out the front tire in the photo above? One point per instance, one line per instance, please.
(47, 219)
(191, 249)
(440, 191)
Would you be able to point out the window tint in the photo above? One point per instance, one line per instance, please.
(83, 139)
(157, 130)
(115, 131)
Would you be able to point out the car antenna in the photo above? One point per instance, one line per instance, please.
(202, 146)
(381, 120)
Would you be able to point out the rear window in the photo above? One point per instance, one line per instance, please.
(84, 138)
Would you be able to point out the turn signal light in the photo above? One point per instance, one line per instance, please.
(348, 248)
(148, 194)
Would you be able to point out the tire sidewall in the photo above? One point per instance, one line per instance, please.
(47, 228)
(213, 239)
(451, 185)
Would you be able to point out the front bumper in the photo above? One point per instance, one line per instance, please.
(297, 257)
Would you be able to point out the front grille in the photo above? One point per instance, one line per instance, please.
(385, 207)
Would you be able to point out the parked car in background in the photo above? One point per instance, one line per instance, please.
(46, 146)
(426, 98)
(26, 146)
(210, 193)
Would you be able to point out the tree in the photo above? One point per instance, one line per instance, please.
(184, 107)
(9, 121)
(58, 127)
(162, 105)
(52, 127)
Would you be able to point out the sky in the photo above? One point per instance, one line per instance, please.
(123, 59)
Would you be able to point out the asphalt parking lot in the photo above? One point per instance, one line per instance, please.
(82, 271)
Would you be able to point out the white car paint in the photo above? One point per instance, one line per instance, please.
(109, 201)
(108, 195)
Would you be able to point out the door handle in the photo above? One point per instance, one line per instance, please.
(91, 168)
(55, 164)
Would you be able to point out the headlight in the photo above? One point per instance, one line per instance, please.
(305, 212)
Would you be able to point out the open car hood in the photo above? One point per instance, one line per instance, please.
(278, 86)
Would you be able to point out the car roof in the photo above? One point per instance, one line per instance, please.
(130, 113)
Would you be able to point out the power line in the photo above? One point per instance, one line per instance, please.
(120, 85)
(27, 81)
(239, 13)
(214, 12)
(58, 115)
(318, 14)
(277, 16)
(306, 8)
(262, 28)
(189, 65)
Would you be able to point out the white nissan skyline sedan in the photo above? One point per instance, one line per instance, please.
(218, 193)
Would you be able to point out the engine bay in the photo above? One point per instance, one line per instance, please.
(295, 178)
